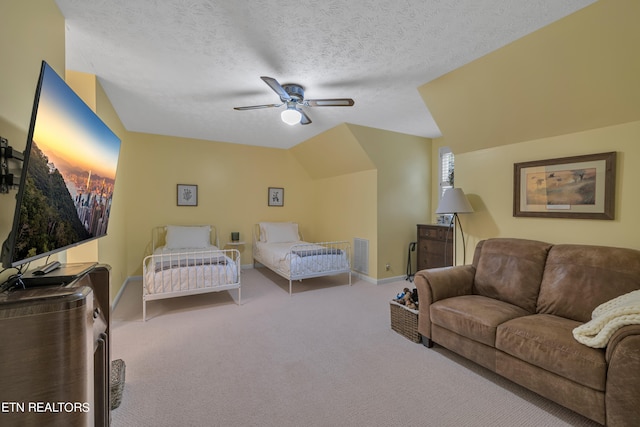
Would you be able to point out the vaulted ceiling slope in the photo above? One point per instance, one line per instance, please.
(577, 74)
(178, 67)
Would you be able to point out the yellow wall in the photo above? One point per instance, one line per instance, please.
(232, 185)
(344, 188)
(29, 33)
(113, 248)
(333, 153)
(345, 207)
(492, 169)
(403, 190)
(334, 184)
(578, 73)
(568, 89)
(371, 184)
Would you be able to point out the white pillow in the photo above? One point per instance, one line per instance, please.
(263, 229)
(279, 232)
(188, 236)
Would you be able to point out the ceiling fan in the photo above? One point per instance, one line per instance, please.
(292, 95)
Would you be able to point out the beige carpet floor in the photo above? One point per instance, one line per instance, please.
(325, 356)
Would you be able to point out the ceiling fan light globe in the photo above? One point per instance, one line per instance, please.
(291, 116)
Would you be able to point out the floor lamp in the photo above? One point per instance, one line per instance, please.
(454, 202)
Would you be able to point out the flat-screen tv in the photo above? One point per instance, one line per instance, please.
(68, 175)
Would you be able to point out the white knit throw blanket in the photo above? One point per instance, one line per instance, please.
(607, 318)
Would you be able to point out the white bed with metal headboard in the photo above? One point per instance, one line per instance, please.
(186, 260)
(279, 247)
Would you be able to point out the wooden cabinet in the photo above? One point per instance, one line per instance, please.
(54, 351)
(435, 246)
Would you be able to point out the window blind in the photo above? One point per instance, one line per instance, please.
(447, 163)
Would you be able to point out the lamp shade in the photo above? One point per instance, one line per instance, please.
(291, 116)
(454, 201)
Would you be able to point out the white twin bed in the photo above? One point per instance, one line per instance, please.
(186, 260)
(279, 247)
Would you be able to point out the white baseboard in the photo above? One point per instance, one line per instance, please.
(364, 277)
(373, 281)
(390, 280)
(121, 291)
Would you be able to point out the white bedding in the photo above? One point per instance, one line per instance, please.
(211, 253)
(311, 258)
(181, 269)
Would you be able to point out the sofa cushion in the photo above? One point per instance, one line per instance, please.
(546, 341)
(511, 270)
(578, 278)
(474, 316)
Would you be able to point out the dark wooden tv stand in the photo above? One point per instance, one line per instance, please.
(55, 357)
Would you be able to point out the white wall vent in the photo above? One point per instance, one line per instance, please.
(361, 255)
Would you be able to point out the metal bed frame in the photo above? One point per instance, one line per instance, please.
(315, 263)
(190, 273)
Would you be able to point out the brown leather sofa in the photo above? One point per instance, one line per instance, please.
(513, 311)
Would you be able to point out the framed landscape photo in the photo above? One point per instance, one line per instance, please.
(579, 187)
(187, 195)
(276, 196)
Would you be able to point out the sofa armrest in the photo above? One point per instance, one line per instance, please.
(619, 336)
(439, 283)
(623, 377)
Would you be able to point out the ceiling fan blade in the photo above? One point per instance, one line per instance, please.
(335, 102)
(304, 120)
(257, 107)
(277, 88)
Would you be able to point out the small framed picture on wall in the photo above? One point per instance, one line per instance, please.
(276, 196)
(187, 195)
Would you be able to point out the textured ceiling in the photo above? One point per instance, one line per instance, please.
(178, 67)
